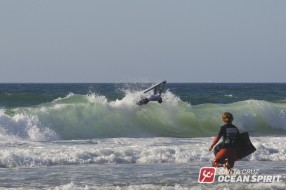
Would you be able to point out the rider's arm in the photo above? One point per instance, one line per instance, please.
(214, 142)
(217, 138)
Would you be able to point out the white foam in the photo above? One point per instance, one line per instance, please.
(24, 127)
(269, 149)
(129, 100)
(224, 186)
(130, 150)
(93, 98)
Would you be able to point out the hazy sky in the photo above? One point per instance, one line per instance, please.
(142, 40)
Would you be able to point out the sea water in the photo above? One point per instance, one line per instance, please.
(94, 136)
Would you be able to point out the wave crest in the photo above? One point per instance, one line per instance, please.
(92, 116)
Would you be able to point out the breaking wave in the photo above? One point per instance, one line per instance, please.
(92, 116)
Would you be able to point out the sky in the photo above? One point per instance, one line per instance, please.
(96, 41)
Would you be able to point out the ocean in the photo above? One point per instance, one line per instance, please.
(94, 136)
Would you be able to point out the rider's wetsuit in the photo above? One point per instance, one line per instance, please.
(153, 97)
(229, 132)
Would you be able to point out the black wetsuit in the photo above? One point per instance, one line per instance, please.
(227, 149)
(229, 132)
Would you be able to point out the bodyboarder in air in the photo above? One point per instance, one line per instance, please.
(156, 96)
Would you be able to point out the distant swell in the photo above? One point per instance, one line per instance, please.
(91, 116)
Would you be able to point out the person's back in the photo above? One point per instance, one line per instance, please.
(229, 132)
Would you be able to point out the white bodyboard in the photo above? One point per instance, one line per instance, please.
(154, 86)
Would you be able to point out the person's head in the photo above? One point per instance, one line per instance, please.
(160, 100)
(227, 117)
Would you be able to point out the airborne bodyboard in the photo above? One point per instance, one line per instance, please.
(156, 87)
(244, 147)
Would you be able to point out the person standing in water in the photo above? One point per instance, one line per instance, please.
(226, 156)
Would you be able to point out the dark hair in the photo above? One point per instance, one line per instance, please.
(160, 100)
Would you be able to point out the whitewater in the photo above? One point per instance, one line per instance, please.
(94, 140)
